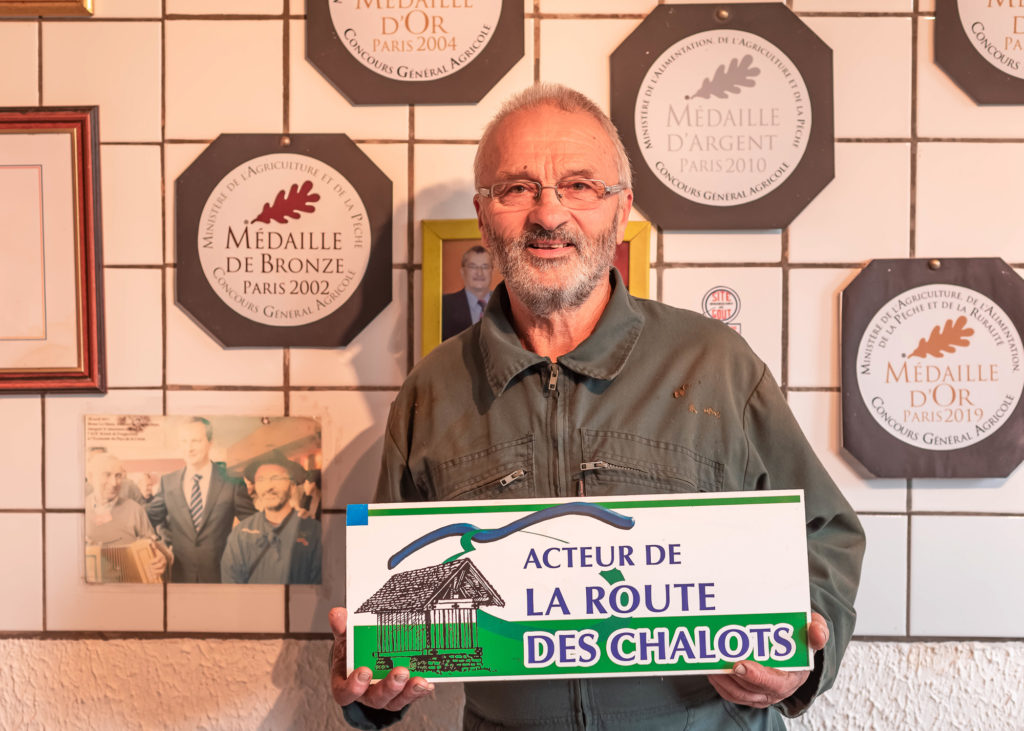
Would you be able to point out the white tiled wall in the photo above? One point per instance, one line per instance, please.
(920, 171)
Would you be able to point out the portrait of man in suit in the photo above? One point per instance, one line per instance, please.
(462, 308)
(197, 505)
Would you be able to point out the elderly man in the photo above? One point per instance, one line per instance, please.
(570, 386)
(115, 521)
(276, 545)
(463, 308)
(197, 505)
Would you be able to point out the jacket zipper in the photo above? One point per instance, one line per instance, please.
(502, 482)
(554, 433)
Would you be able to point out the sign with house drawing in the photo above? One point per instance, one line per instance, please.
(640, 585)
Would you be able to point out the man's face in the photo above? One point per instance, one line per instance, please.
(552, 257)
(194, 445)
(105, 475)
(476, 273)
(273, 486)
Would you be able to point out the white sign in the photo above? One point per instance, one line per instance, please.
(939, 367)
(723, 117)
(996, 30)
(415, 40)
(284, 239)
(648, 585)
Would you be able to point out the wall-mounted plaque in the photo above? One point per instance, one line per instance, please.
(932, 368)
(283, 240)
(726, 111)
(980, 44)
(408, 51)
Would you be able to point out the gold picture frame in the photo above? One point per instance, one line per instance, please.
(22, 8)
(446, 240)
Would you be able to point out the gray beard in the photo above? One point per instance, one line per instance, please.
(593, 260)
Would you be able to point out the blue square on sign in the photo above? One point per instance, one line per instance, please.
(357, 514)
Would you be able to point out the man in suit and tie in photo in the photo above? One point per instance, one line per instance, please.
(198, 505)
(461, 309)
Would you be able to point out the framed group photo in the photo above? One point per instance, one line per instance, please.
(459, 274)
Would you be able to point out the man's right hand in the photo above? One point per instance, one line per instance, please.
(393, 693)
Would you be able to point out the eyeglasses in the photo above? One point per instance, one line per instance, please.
(577, 193)
(478, 267)
(275, 480)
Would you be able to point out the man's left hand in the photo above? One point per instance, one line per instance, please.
(752, 684)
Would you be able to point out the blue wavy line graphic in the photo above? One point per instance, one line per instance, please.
(473, 534)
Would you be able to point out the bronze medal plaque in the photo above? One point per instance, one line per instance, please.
(283, 241)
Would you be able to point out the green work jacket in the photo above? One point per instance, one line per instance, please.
(656, 400)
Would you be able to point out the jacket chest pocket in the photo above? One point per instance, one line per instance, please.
(617, 463)
(501, 471)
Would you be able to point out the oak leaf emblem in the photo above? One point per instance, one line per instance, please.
(727, 81)
(289, 205)
(945, 340)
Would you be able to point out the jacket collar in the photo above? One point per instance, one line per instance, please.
(602, 355)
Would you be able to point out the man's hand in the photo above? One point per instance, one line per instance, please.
(393, 693)
(159, 562)
(752, 684)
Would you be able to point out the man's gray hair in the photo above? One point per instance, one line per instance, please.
(563, 98)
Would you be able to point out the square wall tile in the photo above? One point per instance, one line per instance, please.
(73, 605)
(863, 106)
(467, 121)
(65, 433)
(393, 161)
(758, 313)
(132, 197)
(227, 403)
(589, 7)
(19, 57)
(819, 415)
(195, 358)
(178, 156)
(882, 598)
(91, 63)
(375, 357)
(864, 213)
(856, 6)
(561, 62)
(966, 196)
(722, 246)
(134, 327)
(814, 325)
(126, 8)
(223, 76)
(443, 180)
(21, 453)
(316, 106)
(991, 495)
(225, 7)
(353, 424)
(308, 607)
(945, 110)
(965, 576)
(225, 608)
(21, 573)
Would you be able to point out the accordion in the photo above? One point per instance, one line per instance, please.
(130, 563)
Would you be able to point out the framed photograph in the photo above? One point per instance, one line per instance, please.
(51, 314)
(45, 7)
(459, 276)
(202, 499)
